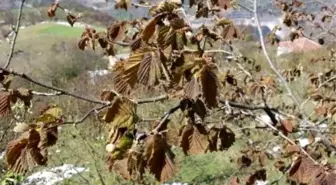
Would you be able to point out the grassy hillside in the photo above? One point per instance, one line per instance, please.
(52, 29)
(45, 48)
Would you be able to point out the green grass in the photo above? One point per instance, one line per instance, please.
(53, 29)
(61, 30)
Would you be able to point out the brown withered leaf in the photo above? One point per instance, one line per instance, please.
(107, 95)
(311, 138)
(202, 10)
(71, 19)
(25, 95)
(192, 88)
(83, 42)
(48, 134)
(303, 170)
(280, 165)
(120, 113)
(291, 149)
(88, 38)
(227, 138)
(326, 18)
(160, 157)
(116, 32)
(289, 19)
(102, 39)
(150, 69)
(23, 153)
(163, 7)
(234, 181)
(333, 139)
(287, 125)
(52, 9)
(121, 167)
(260, 175)
(199, 108)
(321, 111)
(126, 73)
(149, 29)
(5, 105)
(326, 176)
(210, 85)
(120, 116)
(225, 4)
(262, 158)
(109, 50)
(122, 4)
(297, 3)
(244, 161)
(5, 79)
(231, 31)
(194, 139)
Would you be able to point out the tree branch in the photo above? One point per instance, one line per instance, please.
(286, 138)
(59, 90)
(81, 120)
(141, 5)
(16, 32)
(243, 106)
(36, 93)
(270, 63)
(164, 119)
(327, 81)
(150, 100)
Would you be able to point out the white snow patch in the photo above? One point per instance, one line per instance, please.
(94, 74)
(323, 126)
(276, 149)
(303, 142)
(51, 176)
(176, 183)
(261, 182)
(2, 155)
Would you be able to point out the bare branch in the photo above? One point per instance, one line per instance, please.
(285, 137)
(16, 32)
(150, 100)
(164, 119)
(270, 63)
(141, 5)
(324, 83)
(243, 106)
(24, 76)
(81, 120)
(36, 92)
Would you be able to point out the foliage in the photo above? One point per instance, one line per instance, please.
(213, 102)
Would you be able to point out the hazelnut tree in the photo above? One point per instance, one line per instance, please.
(168, 55)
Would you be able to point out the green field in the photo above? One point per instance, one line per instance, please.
(53, 29)
(62, 30)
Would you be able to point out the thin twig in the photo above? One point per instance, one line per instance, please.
(151, 100)
(209, 51)
(36, 93)
(324, 83)
(81, 120)
(245, 7)
(16, 32)
(270, 63)
(164, 119)
(141, 5)
(285, 137)
(243, 106)
(24, 76)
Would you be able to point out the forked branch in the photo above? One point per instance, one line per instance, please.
(59, 91)
(16, 32)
